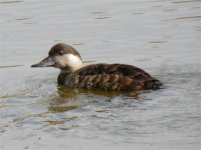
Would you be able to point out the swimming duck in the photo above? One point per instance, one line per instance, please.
(118, 77)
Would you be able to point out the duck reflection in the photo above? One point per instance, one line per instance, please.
(71, 93)
(67, 94)
(71, 98)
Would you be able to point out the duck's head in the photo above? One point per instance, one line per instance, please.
(62, 56)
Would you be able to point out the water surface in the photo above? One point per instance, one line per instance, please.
(162, 37)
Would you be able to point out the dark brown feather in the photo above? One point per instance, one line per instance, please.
(118, 77)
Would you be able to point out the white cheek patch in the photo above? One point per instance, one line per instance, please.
(60, 61)
(73, 61)
(69, 60)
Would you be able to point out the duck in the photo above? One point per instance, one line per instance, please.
(103, 76)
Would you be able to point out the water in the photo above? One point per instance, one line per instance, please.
(162, 37)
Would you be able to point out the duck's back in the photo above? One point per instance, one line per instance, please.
(118, 77)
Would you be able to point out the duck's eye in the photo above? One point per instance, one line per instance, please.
(61, 53)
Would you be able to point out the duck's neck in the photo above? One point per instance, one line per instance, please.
(70, 70)
(66, 71)
(65, 74)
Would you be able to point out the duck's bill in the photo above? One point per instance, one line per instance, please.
(47, 62)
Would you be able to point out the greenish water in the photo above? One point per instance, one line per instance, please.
(162, 37)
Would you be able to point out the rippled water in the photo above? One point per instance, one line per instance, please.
(162, 37)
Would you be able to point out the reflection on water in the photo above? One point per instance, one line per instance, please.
(69, 99)
(7, 2)
(184, 18)
(190, 17)
(26, 18)
(69, 92)
(101, 15)
(161, 37)
(186, 1)
(158, 42)
(11, 66)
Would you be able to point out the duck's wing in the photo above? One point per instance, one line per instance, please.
(114, 69)
(113, 77)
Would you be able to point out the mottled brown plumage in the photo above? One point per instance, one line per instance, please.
(119, 77)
